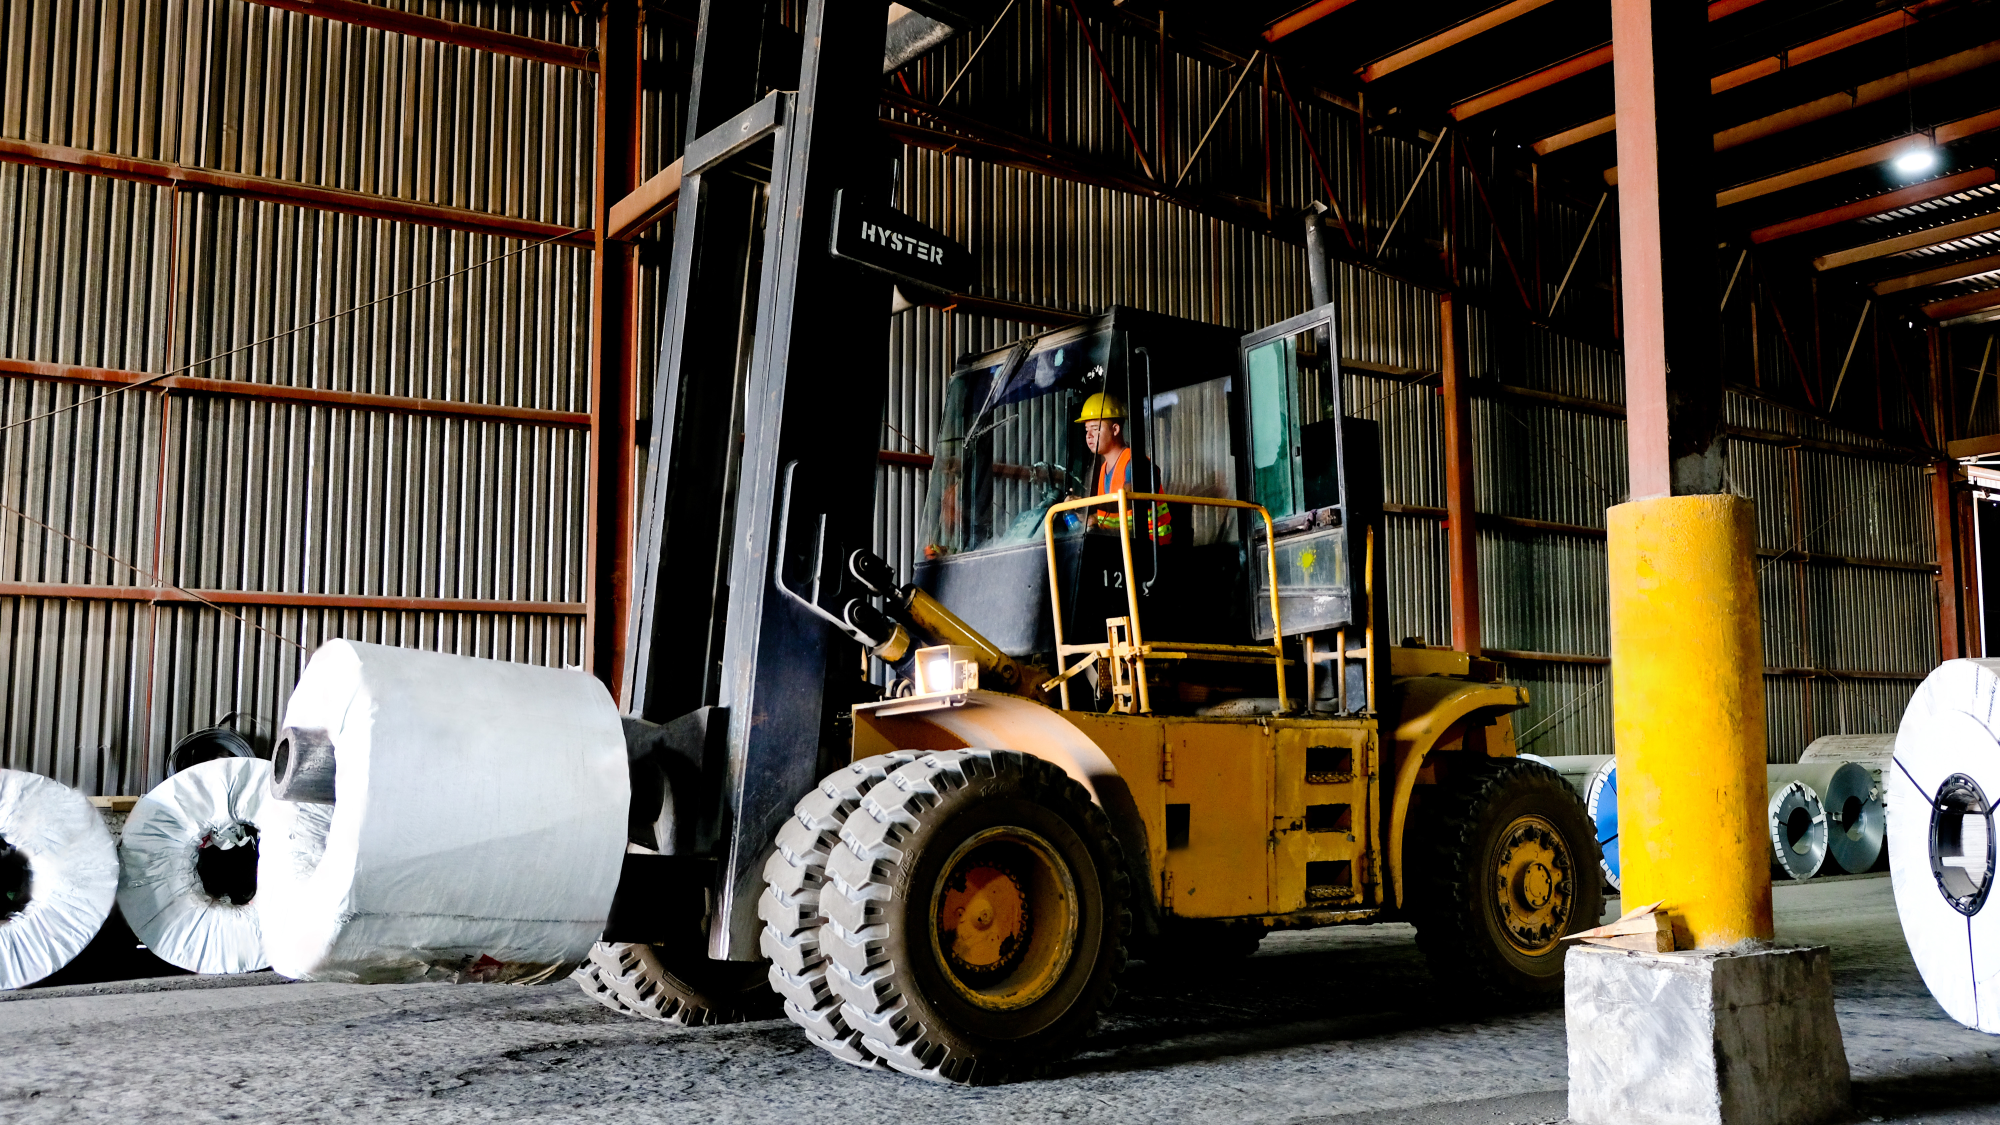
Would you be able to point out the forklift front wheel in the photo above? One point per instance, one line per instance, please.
(795, 878)
(976, 917)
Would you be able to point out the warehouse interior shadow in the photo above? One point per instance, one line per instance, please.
(1302, 988)
(115, 954)
(1942, 1089)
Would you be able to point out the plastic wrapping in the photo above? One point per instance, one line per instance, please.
(188, 866)
(1943, 779)
(1871, 751)
(1600, 800)
(58, 854)
(477, 829)
(1577, 769)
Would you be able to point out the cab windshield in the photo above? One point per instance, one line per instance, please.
(1010, 445)
(1007, 447)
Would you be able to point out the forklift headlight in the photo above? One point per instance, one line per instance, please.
(946, 668)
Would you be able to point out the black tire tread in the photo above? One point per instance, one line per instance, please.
(1442, 885)
(863, 878)
(794, 875)
(590, 979)
(649, 988)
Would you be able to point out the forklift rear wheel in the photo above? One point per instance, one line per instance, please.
(790, 907)
(1507, 866)
(678, 984)
(975, 917)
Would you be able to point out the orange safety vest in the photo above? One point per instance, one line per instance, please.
(1117, 474)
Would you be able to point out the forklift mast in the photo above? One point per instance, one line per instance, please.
(767, 360)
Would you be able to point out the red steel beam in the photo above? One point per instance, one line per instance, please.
(1875, 205)
(441, 31)
(648, 204)
(1303, 18)
(1904, 243)
(1729, 80)
(1950, 641)
(1895, 85)
(1953, 307)
(167, 595)
(1110, 87)
(1452, 37)
(1847, 162)
(1672, 398)
(1601, 56)
(306, 396)
(1534, 83)
(1939, 276)
(1462, 532)
(614, 336)
(339, 200)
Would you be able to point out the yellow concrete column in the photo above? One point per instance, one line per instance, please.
(1687, 699)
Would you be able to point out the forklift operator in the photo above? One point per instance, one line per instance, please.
(1103, 418)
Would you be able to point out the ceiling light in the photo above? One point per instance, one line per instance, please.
(1917, 160)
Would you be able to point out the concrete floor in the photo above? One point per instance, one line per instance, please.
(1338, 1026)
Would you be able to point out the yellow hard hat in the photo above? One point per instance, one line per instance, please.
(1101, 408)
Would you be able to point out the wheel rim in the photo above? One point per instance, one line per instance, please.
(1004, 918)
(1534, 885)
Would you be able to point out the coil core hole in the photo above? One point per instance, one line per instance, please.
(229, 875)
(1798, 829)
(16, 878)
(1962, 843)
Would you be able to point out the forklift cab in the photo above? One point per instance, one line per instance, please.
(1211, 414)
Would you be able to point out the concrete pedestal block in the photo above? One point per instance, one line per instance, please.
(1703, 1038)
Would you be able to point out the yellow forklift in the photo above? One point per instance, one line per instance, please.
(1139, 699)
(1159, 718)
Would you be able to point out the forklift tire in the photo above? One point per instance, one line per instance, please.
(790, 906)
(682, 986)
(591, 979)
(1013, 846)
(1505, 865)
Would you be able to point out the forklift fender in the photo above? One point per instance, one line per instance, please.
(994, 721)
(1430, 707)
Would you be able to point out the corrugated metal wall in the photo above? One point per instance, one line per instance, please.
(225, 493)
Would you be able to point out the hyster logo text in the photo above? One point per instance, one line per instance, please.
(882, 236)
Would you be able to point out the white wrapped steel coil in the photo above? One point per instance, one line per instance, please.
(1941, 787)
(440, 818)
(188, 866)
(58, 876)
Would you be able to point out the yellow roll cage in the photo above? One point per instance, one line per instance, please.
(1125, 644)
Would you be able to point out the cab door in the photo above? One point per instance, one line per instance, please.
(1296, 468)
